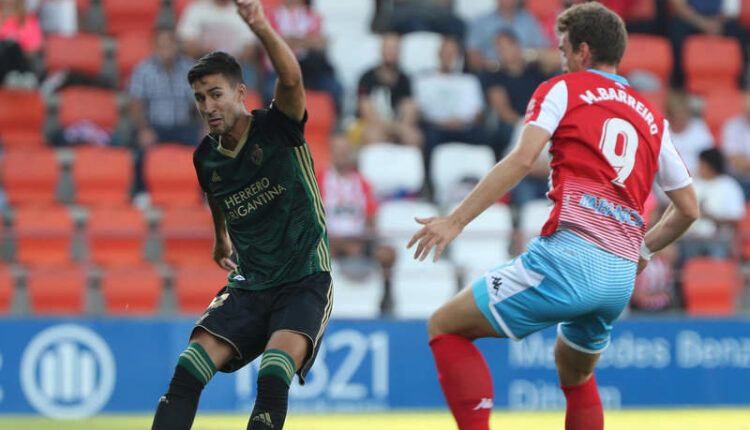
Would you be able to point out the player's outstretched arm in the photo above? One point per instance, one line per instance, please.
(289, 96)
(222, 252)
(439, 231)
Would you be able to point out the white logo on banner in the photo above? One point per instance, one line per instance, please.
(67, 371)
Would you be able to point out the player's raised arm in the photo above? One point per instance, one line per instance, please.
(289, 96)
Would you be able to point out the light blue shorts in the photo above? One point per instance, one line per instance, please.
(562, 279)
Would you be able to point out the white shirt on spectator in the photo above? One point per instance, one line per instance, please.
(695, 138)
(735, 137)
(721, 198)
(442, 96)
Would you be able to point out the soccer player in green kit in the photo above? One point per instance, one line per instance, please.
(257, 173)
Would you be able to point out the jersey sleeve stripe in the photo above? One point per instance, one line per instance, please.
(326, 314)
(305, 161)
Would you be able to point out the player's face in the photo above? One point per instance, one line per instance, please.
(219, 102)
(570, 61)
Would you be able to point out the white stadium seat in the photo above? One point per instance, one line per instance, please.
(468, 10)
(392, 169)
(419, 290)
(419, 52)
(533, 216)
(395, 224)
(447, 172)
(485, 242)
(356, 298)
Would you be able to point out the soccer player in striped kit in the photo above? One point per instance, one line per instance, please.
(608, 145)
(257, 173)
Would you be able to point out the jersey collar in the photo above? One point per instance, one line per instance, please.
(616, 78)
(240, 144)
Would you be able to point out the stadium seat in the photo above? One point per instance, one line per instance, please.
(392, 169)
(640, 10)
(30, 176)
(97, 105)
(253, 100)
(132, 48)
(395, 224)
(419, 52)
(710, 286)
(195, 285)
(22, 116)
(7, 288)
(116, 236)
(744, 16)
(356, 298)
(102, 176)
(647, 53)
(123, 16)
(321, 112)
(341, 19)
(59, 290)
(447, 173)
(532, 218)
(419, 290)
(43, 235)
(64, 53)
(170, 176)
(468, 10)
(187, 235)
(722, 106)
(319, 147)
(485, 242)
(711, 63)
(131, 290)
(352, 56)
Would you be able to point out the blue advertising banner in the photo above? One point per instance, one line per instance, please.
(71, 368)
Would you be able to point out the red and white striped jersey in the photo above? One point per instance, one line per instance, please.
(608, 146)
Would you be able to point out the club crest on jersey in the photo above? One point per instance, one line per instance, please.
(256, 155)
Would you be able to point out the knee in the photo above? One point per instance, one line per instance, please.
(435, 325)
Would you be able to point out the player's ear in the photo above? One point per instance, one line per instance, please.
(241, 91)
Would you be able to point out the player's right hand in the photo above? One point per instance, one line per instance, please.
(223, 256)
(252, 12)
(437, 232)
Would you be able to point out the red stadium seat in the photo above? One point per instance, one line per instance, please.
(102, 176)
(720, 107)
(30, 176)
(7, 288)
(43, 235)
(132, 48)
(97, 105)
(640, 10)
(131, 290)
(196, 285)
(745, 13)
(57, 289)
(116, 236)
(187, 235)
(321, 112)
(543, 9)
(320, 149)
(711, 63)
(170, 176)
(253, 101)
(648, 53)
(65, 53)
(22, 116)
(123, 16)
(710, 286)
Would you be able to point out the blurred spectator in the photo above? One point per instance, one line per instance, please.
(509, 89)
(214, 25)
(690, 133)
(350, 210)
(21, 26)
(404, 16)
(56, 16)
(735, 142)
(655, 287)
(509, 15)
(711, 17)
(301, 27)
(161, 101)
(722, 207)
(450, 101)
(386, 109)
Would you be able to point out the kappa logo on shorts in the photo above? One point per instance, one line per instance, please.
(497, 282)
(218, 301)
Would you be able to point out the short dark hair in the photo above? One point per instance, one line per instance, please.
(603, 30)
(213, 63)
(715, 160)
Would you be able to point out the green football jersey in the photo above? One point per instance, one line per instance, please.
(267, 190)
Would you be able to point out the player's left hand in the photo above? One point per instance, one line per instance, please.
(252, 12)
(437, 232)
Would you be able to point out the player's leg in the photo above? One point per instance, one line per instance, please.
(576, 371)
(302, 310)
(195, 367)
(462, 371)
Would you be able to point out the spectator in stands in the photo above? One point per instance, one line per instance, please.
(735, 142)
(161, 100)
(690, 133)
(722, 207)
(387, 110)
(509, 89)
(56, 16)
(450, 101)
(16, 23)
(214, 25)
(711, 17)
(302, 29)
(350, 211)
(509, 15)
(405, 16)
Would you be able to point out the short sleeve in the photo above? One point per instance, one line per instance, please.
(287, 130)
(672, 174)
(547, 106)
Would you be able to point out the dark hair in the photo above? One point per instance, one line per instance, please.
(714, 158)
(599, 27)
(510, 34)
(213, 63)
